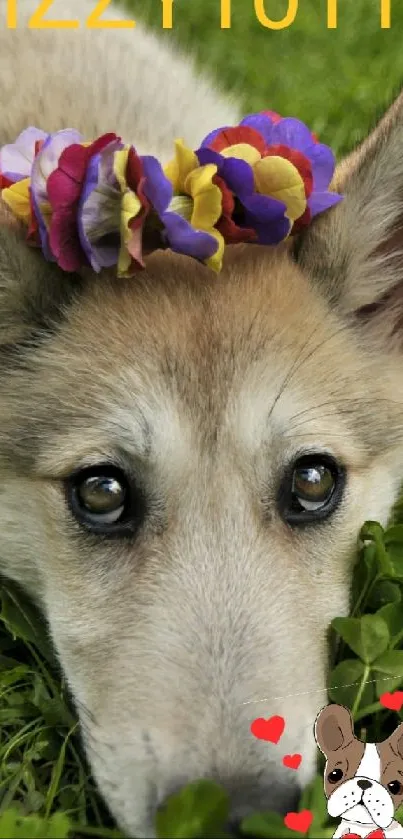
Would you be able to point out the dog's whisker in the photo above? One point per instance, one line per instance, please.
(299, 361)
(312, 692)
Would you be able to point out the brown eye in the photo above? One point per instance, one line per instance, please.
(103, 496)
(394, 787)
(103, 499)
(335, 776)
(312, 485)
(311, 489)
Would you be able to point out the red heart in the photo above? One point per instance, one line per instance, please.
(270, 729)
(393, 701)
(292, 761)
(299, 821)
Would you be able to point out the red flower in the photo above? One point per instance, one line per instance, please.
(232, 233)
(236, 135)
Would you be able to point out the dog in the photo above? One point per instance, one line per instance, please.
(363, 781)
(238, 430)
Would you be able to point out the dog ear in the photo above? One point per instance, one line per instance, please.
(333, 728)
(396, 741)
(355, 251)
(33, 292)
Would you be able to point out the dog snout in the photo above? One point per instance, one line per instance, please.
(364, 784)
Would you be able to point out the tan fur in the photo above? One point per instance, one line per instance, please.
(205, 389)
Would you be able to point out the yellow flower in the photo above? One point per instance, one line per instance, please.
(17, 198)
(190, 179)
(279, 178)
(130, 208)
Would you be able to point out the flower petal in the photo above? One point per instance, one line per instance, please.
(44, 164)
(294, 133)
(64, 242)
(242, 151)
(321, 201)
(207, 197)
(213, 134)
(183, 238)
(17, 197)
(274, 233)
(16, 159)
(157, 188)
(237, 174)
(261, 123)
(181, 166)
(99, 212)
(267, 216)
(280, 179)
(130, 208)
(323, 166)
(240, 134)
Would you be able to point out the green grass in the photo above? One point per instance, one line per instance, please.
(336, 81)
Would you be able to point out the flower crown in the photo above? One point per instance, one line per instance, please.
(103, 205)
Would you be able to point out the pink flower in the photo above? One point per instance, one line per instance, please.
(64, 189)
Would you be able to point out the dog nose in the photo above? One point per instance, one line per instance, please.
(364, 784)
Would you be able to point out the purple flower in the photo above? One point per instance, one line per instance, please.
(16, 159)
(180, 235)
(278, 174)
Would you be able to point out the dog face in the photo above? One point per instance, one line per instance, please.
(185, 463)
(363, 783)
(209, 590)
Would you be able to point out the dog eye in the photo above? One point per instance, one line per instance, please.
(394, 787)
(311, 490)
(312, 485)
(102, 499)
(335, 776)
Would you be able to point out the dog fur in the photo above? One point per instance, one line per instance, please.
(205, 388)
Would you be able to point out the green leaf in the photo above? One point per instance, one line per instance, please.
(345, 683)
(199, 811)
(388, 664)
(395, 554)
(393, 540)
(313, 798)
(15, 826)
(385, 591)
(394, 534)
(365, 571)
(368, 636)
(271, 825)
(392, 614)
(372, 530)
(267, 826)
(399, 815)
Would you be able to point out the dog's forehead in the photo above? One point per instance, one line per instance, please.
(178, 345)
(199, 332)
(180, 354)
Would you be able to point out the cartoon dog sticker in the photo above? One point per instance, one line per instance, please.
(363, 781)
